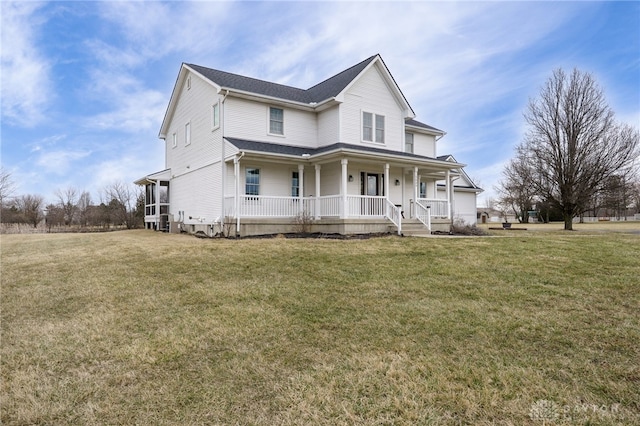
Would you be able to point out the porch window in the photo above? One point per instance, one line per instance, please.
(215, 116)
(369, 132)
(276, 121)
(252, 182)
(295, 184)
(423, 189)
(408, 142)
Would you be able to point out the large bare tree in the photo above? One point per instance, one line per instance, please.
(573, 144)
(32, 208)
(516, 188)
(68, 202)
(7, 186)
(121, 200)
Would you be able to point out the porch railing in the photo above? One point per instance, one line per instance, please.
(438, 207)
(394, 214)
(423, 214)
(323, 206)
(365, 205)
(267, 206)
(329, 205)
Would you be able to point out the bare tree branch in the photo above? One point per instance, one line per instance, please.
(573, 142)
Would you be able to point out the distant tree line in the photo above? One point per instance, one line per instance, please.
(121, 206)
(575, 159)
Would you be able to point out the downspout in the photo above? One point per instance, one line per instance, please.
(223, 179)
(236, 171)
(157, 205)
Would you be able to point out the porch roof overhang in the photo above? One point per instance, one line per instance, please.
(154, 177)
(340, 150)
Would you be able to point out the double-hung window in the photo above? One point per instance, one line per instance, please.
(372, 127)
(295, 184)
(252, 181)
(408, 142)
(215, 116)
(423, 189)
(380, 128)
(276, 121)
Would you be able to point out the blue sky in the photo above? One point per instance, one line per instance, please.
(85, 84)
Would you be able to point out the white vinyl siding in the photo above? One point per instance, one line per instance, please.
(244, 119)
(424, 145)
(197, 194)
(193, 107)
(328, 124)
(371, 94)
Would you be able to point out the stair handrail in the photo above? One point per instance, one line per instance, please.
(423, 214)
(394, 214)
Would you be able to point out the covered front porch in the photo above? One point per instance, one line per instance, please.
(348, 191)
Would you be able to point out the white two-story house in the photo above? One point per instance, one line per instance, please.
(249, 157)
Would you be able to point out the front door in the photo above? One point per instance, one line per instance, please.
(371, 184)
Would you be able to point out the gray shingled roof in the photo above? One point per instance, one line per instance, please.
(417, 123)
(318, 93)
(273, 148)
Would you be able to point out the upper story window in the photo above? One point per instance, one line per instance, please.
(408, 142)
(174, 138)
(187, 133)
(215, 116)
(252, 181)
(372, 127)
(276, 121)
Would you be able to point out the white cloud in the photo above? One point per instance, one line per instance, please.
(59, 162)
(156, 29)
(26, 85)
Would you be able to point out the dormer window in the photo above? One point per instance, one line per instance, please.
(372, 127)
(276, 121)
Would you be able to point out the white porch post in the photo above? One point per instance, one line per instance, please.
(344, 210)
(156, 205)
(301, 187)
(416, 188)
(386, 188)
(236, 173)
(448, 187)
(318, 214)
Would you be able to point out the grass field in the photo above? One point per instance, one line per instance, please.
(137, 327)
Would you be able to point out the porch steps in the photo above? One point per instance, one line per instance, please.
(414, 228)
